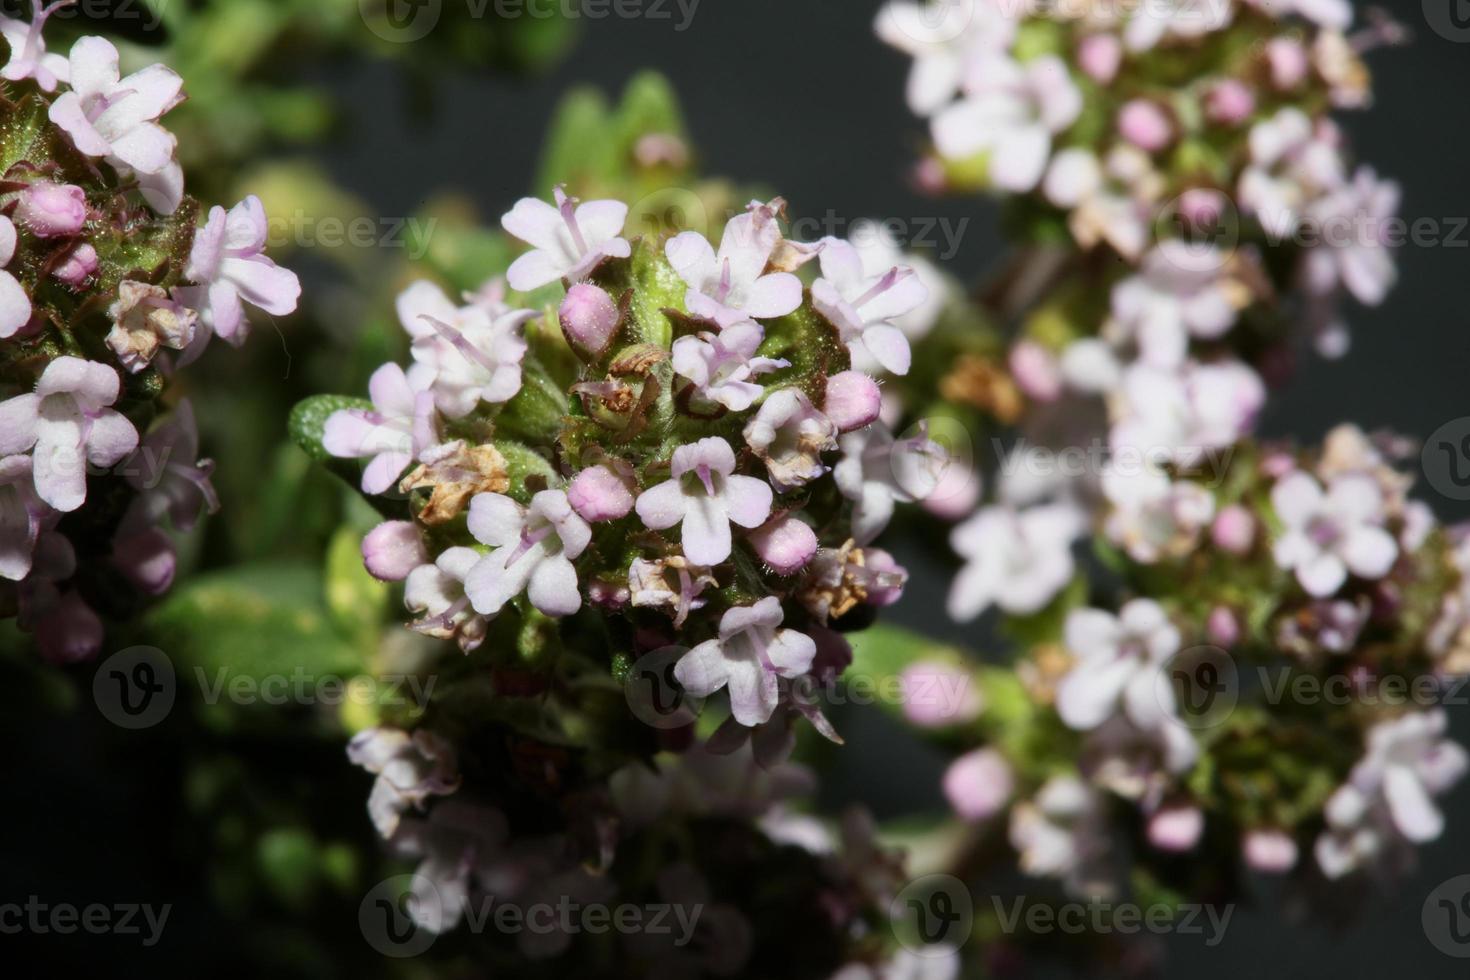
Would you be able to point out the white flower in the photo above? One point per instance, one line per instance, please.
(862, 307)
(879, 250)
(15, 303)
(570, 239)
(749, 656)
(1017, 560)
(790, 435)
(1175, 19)
(533, 552)
(876, 471)
(466, 355)
(1169, 301)
(942, 38)
(1354, 222)
(1293, 162)
(400, 426)
(720, 365)
(410, 769)
(1119, 662)
(116, 119)
(1011, 111)
(706, 495)
(733, 285)
(28, 57)
(1061, 834)
(436, 593)
(68, 423)
(1390, 794)
(1154, 517)
(1326, 535)
(1183, 416)
(229, 267)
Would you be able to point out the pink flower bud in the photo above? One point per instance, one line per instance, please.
(786, 544)
(599, 493)
(1035, 371)
(78, 266)
(886, 577)
(1176, 828)
(1222, 627)
(392, 550)
(147, 559)
(1234, 530)
(979, 784)
(853, 400)
(929, 176)
(957, 493)
(589, 318)
(1288, 61)
(1145, 125)
(1201, 207)
(1270, 851)
(1100, 55)
(1230, 102)
(938, 694)
(52, 210)
(70, 633)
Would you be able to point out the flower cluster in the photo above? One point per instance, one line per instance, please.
(107, 287)
(677, 451)
(1275, 681)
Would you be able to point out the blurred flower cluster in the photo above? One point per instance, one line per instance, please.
(110, 286)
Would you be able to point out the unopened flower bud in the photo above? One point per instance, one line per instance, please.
(786, 544)
(392, 550)
(599, 493)
(52, 210)
(1270, 851)
(937, 694)
(1234, 530)
(1230, 102)
(78, 266)
(589, 318)
(147, 559)
(1145, 125)
(1035, 371)
(979, 785)
(1288, 61)
(1223, 627)
(853, 400)
(1176, 828)
(1100, 55)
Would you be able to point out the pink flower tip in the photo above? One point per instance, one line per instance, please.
(979, 785)
(1230, 102)
(1234, 530)
(392, 550)
(52, 210)
(78, 266)
(786, 544)
(1176, 828)
(853, 400)
(589, 318)
(599, 493)
(1223, 627)
(1270, 851)
(1145, 125)
(1099, 56)
(1036, 371)
(938, 694)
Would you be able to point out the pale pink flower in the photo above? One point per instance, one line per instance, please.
(1327, 534)
(533, 550)
(15, 302)
(569, 239)
(720, 366)
(706, 496)
(863, 307)
(1017, 560)
(1119, 664)
(229, 268)
(400, 426)
(733, 285)
(752, 651)
(28, 57)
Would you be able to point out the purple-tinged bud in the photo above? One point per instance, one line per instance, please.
(1145, 125)
(1270, 851)
(392, 550)
(600, 493)
(1288, 61)
(786, 544)
(957, 494)
(147, 559)
(929, 176)
(1222, 627)
(1202, 207)
(1230, 102)
(1234, 530)
(52, 210)
(979, 785)
(853, 400)
(70, 633)
(589, 318)
(1035, 371)
(1176, 828)
(886, 577)
(1100, 55)
(78, 266)
(938, 694)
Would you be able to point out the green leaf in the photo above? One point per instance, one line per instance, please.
(355, 600)
(309, 420)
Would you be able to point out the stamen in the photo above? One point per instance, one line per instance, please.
(568, 208)
(893, 278)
